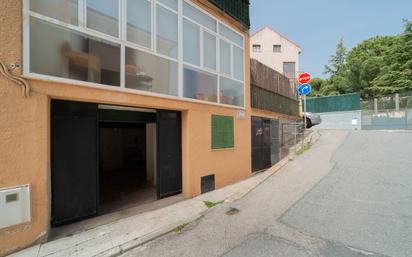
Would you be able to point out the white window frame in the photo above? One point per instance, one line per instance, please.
(121, 40)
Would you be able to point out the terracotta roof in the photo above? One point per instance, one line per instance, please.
(264, 27)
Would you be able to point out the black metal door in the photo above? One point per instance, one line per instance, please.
(74, 161)
(169, 153)
(261, 144)
(257, 139)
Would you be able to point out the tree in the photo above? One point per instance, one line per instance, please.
(396, 74)
(316, 84)
(377, 66)
(337, 61)
(365, 63)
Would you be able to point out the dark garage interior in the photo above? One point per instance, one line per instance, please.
(123, 175)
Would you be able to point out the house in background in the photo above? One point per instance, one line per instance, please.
(275, 51)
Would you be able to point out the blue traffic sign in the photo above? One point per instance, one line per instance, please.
(304, 89)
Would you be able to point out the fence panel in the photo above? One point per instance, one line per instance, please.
(348, 102)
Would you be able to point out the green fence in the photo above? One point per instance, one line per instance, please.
(348, 102)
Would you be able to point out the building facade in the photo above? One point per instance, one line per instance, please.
(275, 51)
(101, 97)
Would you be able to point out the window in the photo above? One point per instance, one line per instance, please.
(166, 32)
(230, 34)
(222, 132)
(169, 3)
(277, 48)
(256, 49)
(62, 10)
(225, 57)
(231, 92)
(148, 72)
(191, 42)
(73, 55)
(103, 16)
(196, 15)
(199, 85)
(289, 69)
(209, 52)
(238, 63)
(139, 20)
(136, 45)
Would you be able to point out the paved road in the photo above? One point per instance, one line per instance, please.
(350, 195)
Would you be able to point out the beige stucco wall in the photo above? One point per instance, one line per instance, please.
(25, 131)
(266, 37)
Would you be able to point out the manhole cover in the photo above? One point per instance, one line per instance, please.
(232, 211)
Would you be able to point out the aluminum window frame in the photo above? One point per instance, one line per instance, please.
(122, 41)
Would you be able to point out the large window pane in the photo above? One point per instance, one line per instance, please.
(169, 3)
(199, 85)
(231, 92)
(230, 34)
(191, 42)
(209, 50)
(238, 63)
(148, 72)
(103, 16)
(198, 16)
(224, 57)
(74, 55)
(139, 22)
(166, 32)
(63, 10)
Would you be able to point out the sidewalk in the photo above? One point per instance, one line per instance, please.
(115, 238)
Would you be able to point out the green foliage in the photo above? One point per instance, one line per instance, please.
(212, 204)
(303, 149)
(378, 66)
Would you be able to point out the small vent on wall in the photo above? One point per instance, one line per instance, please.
(207, 183)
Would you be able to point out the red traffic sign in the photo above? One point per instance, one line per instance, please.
(304, 78)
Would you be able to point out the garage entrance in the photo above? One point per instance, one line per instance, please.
(109, 158)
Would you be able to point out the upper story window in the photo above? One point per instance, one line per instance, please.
(289, 69)
(136, 44)
(277, 48)
(256, 48)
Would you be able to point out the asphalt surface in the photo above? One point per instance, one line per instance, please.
(350, 195)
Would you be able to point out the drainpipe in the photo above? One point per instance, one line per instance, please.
(5, 71)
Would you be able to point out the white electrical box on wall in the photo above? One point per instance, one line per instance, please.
(15, 206)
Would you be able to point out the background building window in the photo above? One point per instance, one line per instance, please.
(222, 132)
(277, 48)
(256, 48)
(289, 69)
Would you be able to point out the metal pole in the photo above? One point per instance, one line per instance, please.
(304, 112)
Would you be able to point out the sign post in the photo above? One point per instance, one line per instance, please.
(304, 89)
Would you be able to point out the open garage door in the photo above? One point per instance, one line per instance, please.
(74, 161)
(169, 155)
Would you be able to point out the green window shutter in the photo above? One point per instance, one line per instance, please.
(222, 132)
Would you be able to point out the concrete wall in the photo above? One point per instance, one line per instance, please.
(340, 120)
(25, 130)
(267, 37)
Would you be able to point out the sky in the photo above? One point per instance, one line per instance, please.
(317, 25)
